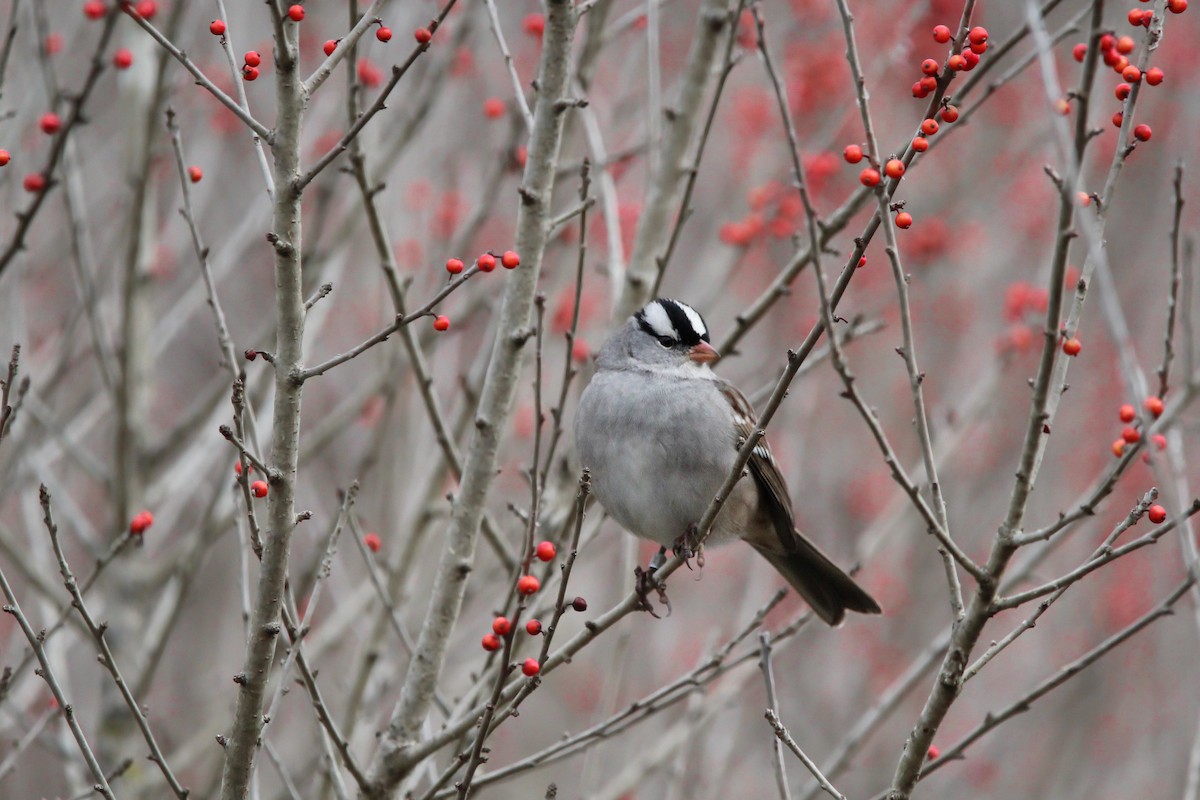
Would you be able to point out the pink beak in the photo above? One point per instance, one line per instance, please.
(703, 353)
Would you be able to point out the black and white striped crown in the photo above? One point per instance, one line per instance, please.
(669, 318)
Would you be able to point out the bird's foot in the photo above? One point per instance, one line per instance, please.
(688, 547)
(646, 583)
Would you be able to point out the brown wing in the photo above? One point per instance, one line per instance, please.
(764, 469)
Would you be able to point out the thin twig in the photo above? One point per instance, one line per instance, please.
(47, 674)
(203, 80)
(518, 90)
(106, 656)
(764, 664)
(781, 733)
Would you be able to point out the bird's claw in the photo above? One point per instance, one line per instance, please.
(646, 583)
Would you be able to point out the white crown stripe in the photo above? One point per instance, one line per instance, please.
(656, 317)
(694, 318)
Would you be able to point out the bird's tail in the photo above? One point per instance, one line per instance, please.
(829, 590)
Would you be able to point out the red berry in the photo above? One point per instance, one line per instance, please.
(259, 488)
(147, 9)
(1108, 41)
(579, 604)
(869, 177)
(531, 667)
(1122, 91)
(928, 83)
(1142, 132)
(329, 46)
(1157, 514)
(94, 9)
(979, 48)
(1135, 16)
(1154, 76)
(384, 34)
(862, 262)
(533, 627)
(441, 323)
(929, 66)
(369, 74)
(491, 642)
(1159, 440)
(1177, 6)
(1118, 447)
(950, 114)
(920, 144)
(904, 220)
(34, 182)
(1127, 413)
(1079, 51)
(140, 522)
(934, 752)
(546, 551)
(894, 168)
(250, 354)
(486, 262)
(217, 27)
(1072, 347)
(941, 34)
(929, 127)
(1117, 119)
(501, 626)
(54, 43)
(1119, 62)
(956, 62)
(534, 24)
(510, 259)
(919, 91)
(1083, 198)
(454, 266)
(195, 174)
(1125, 45)
(50, 123)
(580, 351)
(972, 59)
(1154, 405)
(528, 584)
(977, 35)
(1131, 434)
(493, 108)
(4, 157)
(373, 542)
(1132, 74)
(252, 58)
(853, 154)
(296, 13)
(250, 73)
(422, 35)
(122, 59)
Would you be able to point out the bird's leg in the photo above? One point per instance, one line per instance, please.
(687, 546)
(646, 582)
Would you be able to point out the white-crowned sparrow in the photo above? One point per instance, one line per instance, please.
(660, 431)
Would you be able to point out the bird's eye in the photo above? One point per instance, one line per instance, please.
(666, 341)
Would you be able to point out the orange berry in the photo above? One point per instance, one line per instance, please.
(894, 168)
(1072, 347)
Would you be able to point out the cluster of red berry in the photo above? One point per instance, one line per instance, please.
(1131, 435)
(502, 626)
(509, 259)
(250, 68)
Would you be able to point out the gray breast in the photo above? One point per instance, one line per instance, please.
(652, 469)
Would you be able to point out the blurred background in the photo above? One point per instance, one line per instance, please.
(109, 272)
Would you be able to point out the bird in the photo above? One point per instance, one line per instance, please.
(659, 432)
